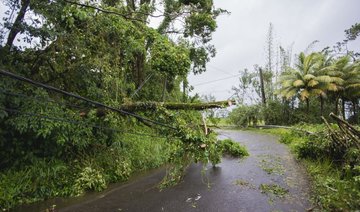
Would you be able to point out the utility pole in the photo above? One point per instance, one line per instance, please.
(263, 97)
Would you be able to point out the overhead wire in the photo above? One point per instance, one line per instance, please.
(208, 82)
(98, 104)
(219, 69)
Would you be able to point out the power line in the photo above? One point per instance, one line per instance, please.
(215, 91)
(11, 110)
(232, 95)
(98, 104)
(204, 83)
(219, 69)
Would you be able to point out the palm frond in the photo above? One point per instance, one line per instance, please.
(355, 85)
(323, 78)
(312, 83)
(333, 87)
(337, 80)
(318, 92)
(298, 83)
(291, 93)
(304, 94)
(309, 77)
(287, 83)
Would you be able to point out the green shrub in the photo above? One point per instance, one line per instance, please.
(312, 147)
(90, 179)
(232, 148)
(113, 162)
(40, 180)
(286, 138)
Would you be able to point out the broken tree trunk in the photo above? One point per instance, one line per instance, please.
(143, 106)
(346, 136)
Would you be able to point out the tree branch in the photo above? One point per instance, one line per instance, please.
(16, 28)
(126, 16)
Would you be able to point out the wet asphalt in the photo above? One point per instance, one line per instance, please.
(233, 185)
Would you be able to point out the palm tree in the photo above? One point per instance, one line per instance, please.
(310, 78)
(329, 76)
(351, 91)
(342, 69)
(301, 80)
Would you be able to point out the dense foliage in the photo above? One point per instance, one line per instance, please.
(55, 145)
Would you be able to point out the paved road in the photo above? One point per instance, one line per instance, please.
(235, 185)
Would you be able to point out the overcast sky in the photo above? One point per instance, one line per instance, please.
(240, 37)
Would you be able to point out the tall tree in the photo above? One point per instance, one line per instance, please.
(270, 48)
(268, 73)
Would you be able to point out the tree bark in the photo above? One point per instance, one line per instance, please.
(337, 105)
(343, 108)
(16, 28)
(139, 68)
(307, 105)
(321, 105)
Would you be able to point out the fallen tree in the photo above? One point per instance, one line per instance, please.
(346, 136)
(142, 106)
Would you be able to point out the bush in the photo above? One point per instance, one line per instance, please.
(286, 138)
(232, 148)
(90, 179)
(312, 147)
(40, 180)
